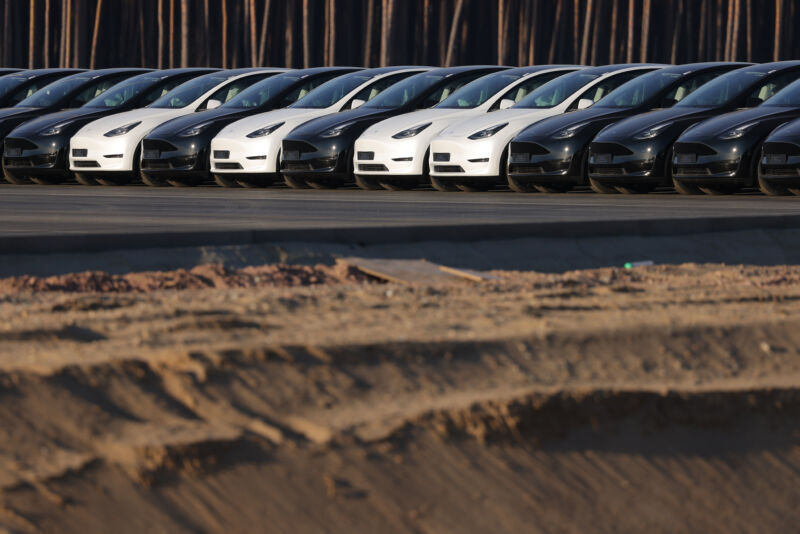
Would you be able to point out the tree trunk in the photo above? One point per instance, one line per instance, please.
(776, 49)
(613, 39)
(554, 39)
(500, 42)
(596, 31)
(735, 39)
(749, 30)
(262, 46)
(452, 40)
(676, 34)
(67, 32)
(160, 11)
(306, 36)
(95, 33)
(701, 41)
(289, 51)
(587, 25)
(224, 7)
(533, 33)
(32, 34)
(368, 33)
(645, 30)
(630, 31)
(386, 27)
(171, 33)
(184, 33)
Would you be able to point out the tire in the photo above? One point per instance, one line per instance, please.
(604, 189)
(152, 181)
(442, 186)
(368, 184)
(636, 189)
(48, 180)
(255, 182)
(717, 190)
(553, 188)
(324, 183)
(475, 187)
(770, 189)
(521, 187)
(85, 179)
(223, 181)
(685, 189)
(295, 182)
(112, 181)
(398, 185)
(13, 178)
(183, 182)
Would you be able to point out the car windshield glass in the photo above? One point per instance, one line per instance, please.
(123, 92)
(51, 94)
(404, 92)
(9, 83)
(262, 92)
(721, 90)
(476, 93)
(638, 90)
(553, 93)
(789, 97)
(185, 94)
(331, 92)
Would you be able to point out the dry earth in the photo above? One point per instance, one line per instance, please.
(315, 399)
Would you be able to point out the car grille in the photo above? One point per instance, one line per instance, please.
(86, 164)
(523, 151)
(788, 149)
(615, 149)
(296, 149)
(297, 166)
(225, 166)
(366, 156)
(79, 152)
(694, 148)
(21, 144)
(441, 156)
(158, 144)
(372, 167)
(222, 154)
(769, 171)
(448, 168)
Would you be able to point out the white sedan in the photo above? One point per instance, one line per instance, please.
(247, 152)
(470, 155)
(109, 147)
(394, 153)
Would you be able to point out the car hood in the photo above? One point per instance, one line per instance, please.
(638, 123)
(148, 117)
(8, 113)
(438, 117)
(788, 132)
(294, 116)
(516, 118)
(724, 123)
(33, 127)
(180, 124)
(549, 127)
(315, 127)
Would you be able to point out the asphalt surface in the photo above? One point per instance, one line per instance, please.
(71, 209)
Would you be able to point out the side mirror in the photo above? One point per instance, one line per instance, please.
(357, 103)
(584, 103)
(752, 101)
(213, 104)
(506, 103)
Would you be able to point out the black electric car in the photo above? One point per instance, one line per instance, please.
(69, 92)
(177, 151)
(552, 155)
(635, 154)
(721, 155)
(41, 146)
(779, 167)
(17, 85)
(319, 153)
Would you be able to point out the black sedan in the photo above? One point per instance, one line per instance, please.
(635, 154)
(40, 145)
(779, 167)
(70, 92)
(177, 151)
(16, 86)
(319, 153)
(552, 155)
(721, 155)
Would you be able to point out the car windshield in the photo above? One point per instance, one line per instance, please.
(789, 97)
(404, 92)
(476, 93)
(186, 93)
(638, 90)
(722, 90)
(555, 92)
(262, 92)
(331, 92)
(51, 94)
(123, 92)
(10, 83)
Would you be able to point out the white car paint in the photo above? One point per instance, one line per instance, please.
(484, 158)
(260, 155)
(116, 154)
(406, 157)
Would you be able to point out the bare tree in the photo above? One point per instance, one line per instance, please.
(306, 36)
(95, 32)
(262, 46)
(160, 22)
(184, 33)
(630, 31)
(224, 7)
(776, 50)
(453, 29)
(587, 21)
(749, 30)
(554, 39)
(31, 34)
(645, 30)
(613, 40)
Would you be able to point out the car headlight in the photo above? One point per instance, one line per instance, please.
(196, 129)
(653, 131)
(411, 132)
(56, 129)
(488, 132)
(739, 131)
(336, 131)
(571, 131)
(261, 132)
(122, 130)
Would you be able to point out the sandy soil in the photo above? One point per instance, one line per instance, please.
(314, 399)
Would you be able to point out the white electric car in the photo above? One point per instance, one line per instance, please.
(470, 155)
(393, 153)
(247, 152)
(109, 147)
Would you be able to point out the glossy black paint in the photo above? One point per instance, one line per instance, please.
(779, 162)
(35, 78)
(563, 163)
(168, 154)
(305, 152)
(38, 155)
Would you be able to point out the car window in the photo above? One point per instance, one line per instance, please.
(305, 88)
(331, 92)
(526, 87)
(641, 90)
(448, 89)
(476, 93)
(371, 91)
(231, 90)
(723, 90)
(601, 89)
(160, 90)
(404, 92)
(769, 88)
(51, 94)
(789, 96)
(685, 89)
(95, 89)
(186, 93)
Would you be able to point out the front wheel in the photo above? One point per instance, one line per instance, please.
(110, 180)
(553, 188)
(771, 189)
(223, 181)
(14, 178)
(685, 189)
(85, 179)
(521, 187)
(151, 180)
(443, 186)
(599, 187)
(296, 182)
(717, 190)
(368, 184)
(48, 180)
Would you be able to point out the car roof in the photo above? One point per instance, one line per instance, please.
(164, 73)
(538, 68)
(36, 73)
(396, 68)
(449, 71)
(772, 66)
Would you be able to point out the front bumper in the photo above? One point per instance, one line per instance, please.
(92, 155)
(546, 162)
(35, 158)
(325, 157)
(173, 158)
(465, 160)
(699, 163)
(627, 163)
(399, 158)
(244, 156)
(780, 163)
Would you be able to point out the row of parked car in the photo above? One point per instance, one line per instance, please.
(702, 128)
